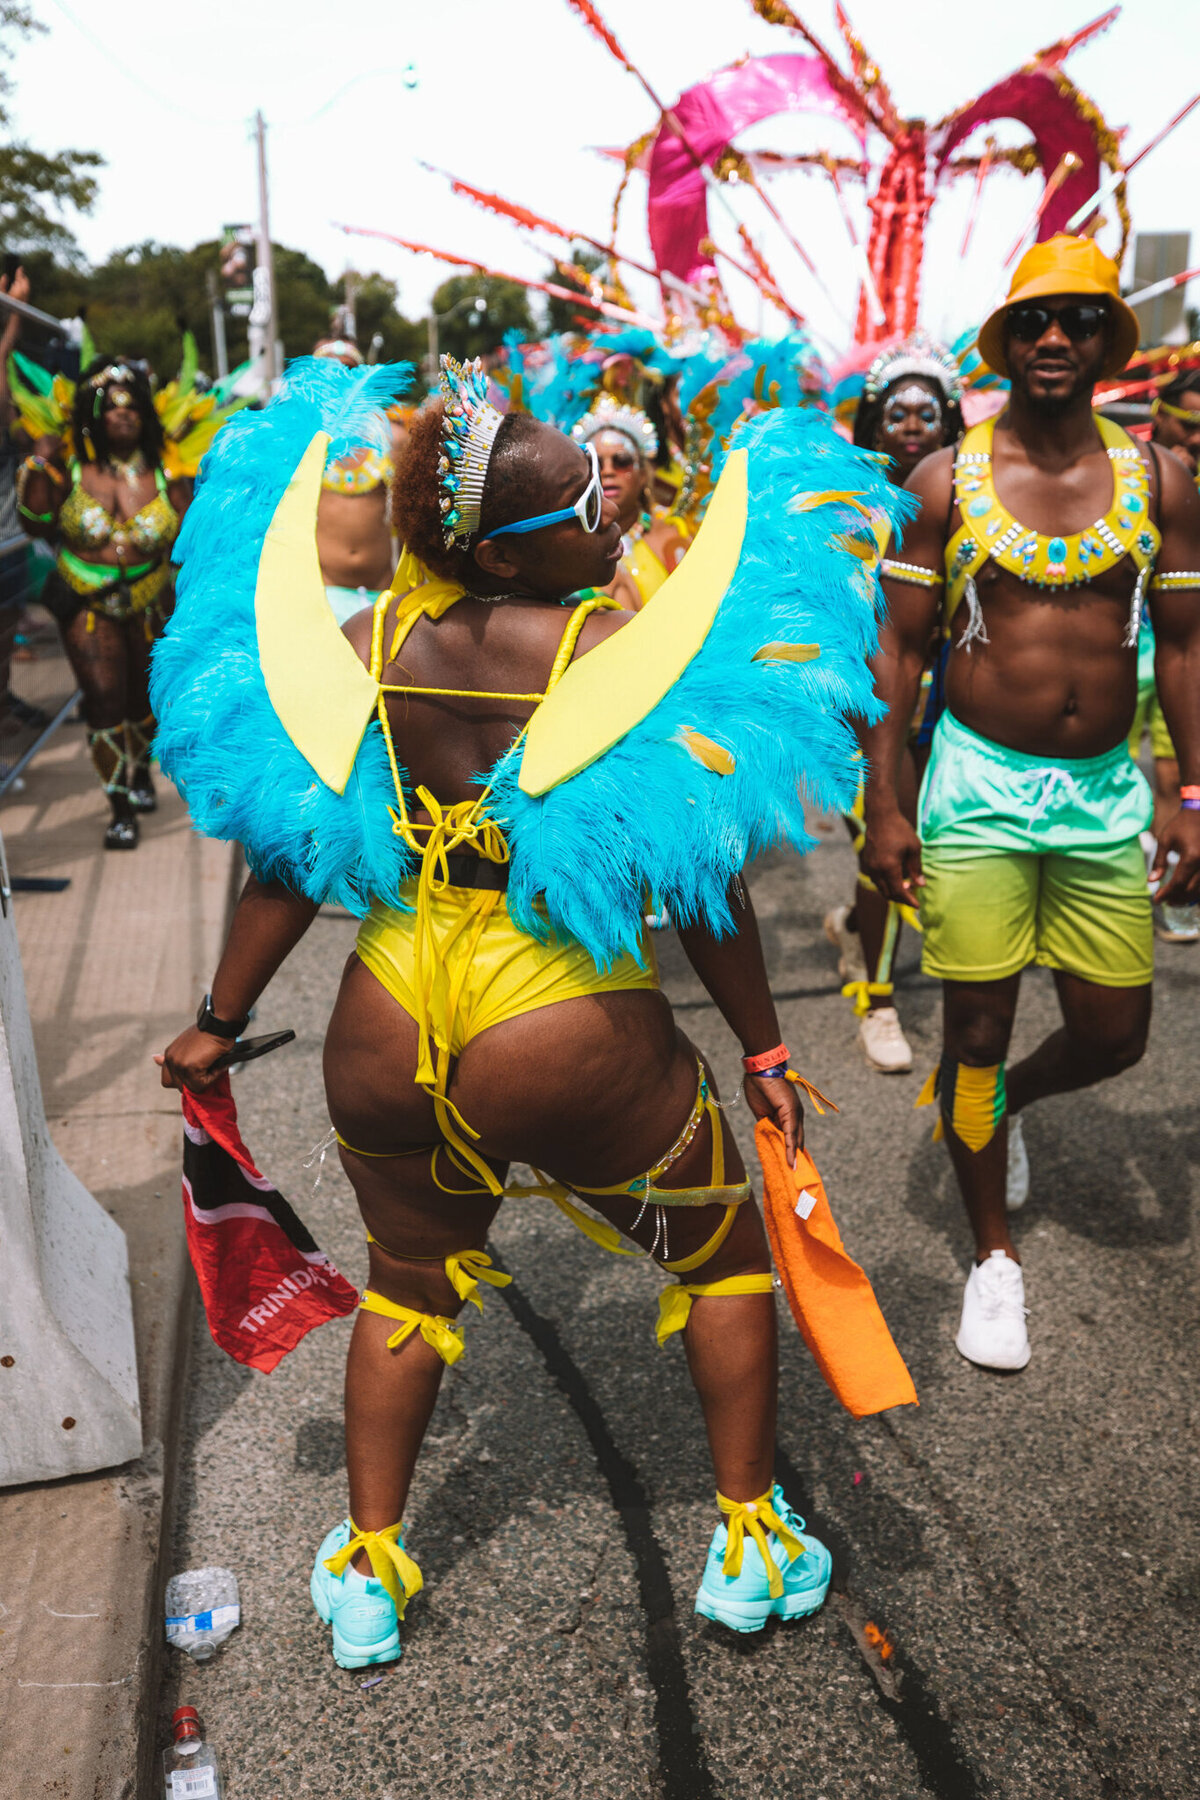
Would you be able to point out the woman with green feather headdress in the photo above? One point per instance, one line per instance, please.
(108, 484)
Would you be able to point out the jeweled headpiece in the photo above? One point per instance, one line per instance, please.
(609, 415)
(919, 355)
(469, 426)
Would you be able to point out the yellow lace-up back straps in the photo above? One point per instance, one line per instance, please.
(441, 964)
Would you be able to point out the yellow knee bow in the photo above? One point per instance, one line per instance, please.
(757, 1517)
(442, 1335)
(390, 1563)
(467, 1270)
(675, 1303)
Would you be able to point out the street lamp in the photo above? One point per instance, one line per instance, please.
(478, 301)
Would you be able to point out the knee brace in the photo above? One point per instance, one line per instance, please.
(972, 1101)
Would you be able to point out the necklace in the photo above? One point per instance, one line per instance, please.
(131, 470)
(1064, 559)
(636, 532)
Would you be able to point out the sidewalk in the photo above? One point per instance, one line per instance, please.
(113, 966)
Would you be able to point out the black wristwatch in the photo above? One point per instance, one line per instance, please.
(207, 1020)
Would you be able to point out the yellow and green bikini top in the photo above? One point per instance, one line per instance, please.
(85, 524)
(359, 473)
(988, 530)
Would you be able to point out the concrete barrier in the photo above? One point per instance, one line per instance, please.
(68, 1374)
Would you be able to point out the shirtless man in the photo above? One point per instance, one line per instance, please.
(1031, 807)
(354, 530)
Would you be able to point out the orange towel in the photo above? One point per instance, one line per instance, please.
(831, 1299)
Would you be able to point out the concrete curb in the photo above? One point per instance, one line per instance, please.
(113, 965)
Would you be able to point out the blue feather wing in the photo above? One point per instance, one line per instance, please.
(647, 814)
(218, 737)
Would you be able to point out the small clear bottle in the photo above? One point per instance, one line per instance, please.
(190, 1765)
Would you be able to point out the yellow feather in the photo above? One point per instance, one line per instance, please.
(802, 503)
(796, 653)
(866, 552)
(710, 755)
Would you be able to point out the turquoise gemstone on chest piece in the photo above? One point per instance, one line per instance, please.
(1056, 550)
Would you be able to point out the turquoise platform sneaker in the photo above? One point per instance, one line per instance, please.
(364, 1610)
(762, 1561)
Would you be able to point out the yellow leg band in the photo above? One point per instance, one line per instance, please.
(757, 1517)
(390, 1563)
(442, 1335)
(863, 992)
(675, 1303)
(465, 1272)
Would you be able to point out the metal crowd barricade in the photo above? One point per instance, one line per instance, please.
(37, 688)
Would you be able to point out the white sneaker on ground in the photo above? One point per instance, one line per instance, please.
(1016, 1190)
(887, 1049)
(847, 943)
(1179, 924)
(992, 1329)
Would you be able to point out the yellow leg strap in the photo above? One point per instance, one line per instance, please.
(390, 1563)
(442, 1335)
(465, 1272)
(686, 1264)
(675, 1303)
(757, 1517)
(863, 992)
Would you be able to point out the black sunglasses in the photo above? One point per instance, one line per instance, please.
(1079, 321)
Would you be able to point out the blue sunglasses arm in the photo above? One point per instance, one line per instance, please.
(523, 525)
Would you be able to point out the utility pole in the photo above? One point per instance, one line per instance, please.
(266, 263)
(220, 352)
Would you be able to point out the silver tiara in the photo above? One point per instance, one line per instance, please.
(918, 355)
(469, 426)
(609, 415)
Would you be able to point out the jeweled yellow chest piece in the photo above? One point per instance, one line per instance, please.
(990, 532)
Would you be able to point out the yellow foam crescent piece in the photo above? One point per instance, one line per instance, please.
(802, 503)
(322, 694)
(712, 756)
(604, 694)
(797, 653)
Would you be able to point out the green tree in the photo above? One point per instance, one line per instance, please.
(31, 182)
(376, 314)
(472, 332)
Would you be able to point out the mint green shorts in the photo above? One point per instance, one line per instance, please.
(1033, 859)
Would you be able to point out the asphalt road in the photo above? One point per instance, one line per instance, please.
(1016, 1600)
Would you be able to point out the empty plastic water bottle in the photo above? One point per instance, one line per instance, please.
(190, 1765)
(202, 1610)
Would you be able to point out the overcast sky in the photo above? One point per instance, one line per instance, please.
(515, 95)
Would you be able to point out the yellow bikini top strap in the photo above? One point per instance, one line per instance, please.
(379, 615)
(570, 637)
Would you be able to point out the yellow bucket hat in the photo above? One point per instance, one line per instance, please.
(1064, 265)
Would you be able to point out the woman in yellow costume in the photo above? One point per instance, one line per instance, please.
(910, 407)
(354, 521)
(503, 1004)
(652, 544)
(101, 494)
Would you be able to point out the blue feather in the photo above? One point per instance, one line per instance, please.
(647, 815)
(218, 736)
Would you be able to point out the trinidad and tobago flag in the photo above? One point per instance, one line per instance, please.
(263, 1280)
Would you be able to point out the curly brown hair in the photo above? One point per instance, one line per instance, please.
(511, 491)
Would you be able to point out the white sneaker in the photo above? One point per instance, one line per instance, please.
(886, 1046)
(992, 1330)
(1016, 1190)
(847, 943)
(1179, 924)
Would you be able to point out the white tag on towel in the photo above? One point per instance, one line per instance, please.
(805, 1203)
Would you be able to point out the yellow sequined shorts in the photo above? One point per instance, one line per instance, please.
(506, 972)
